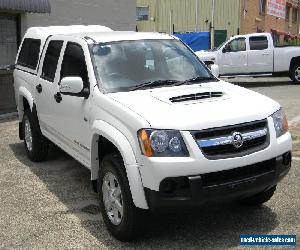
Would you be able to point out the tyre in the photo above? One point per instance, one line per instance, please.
(295, 73)
(259, 198)
(119, 213)
(35, 143)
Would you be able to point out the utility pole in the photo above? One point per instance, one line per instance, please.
(212, 29)
(196, 15)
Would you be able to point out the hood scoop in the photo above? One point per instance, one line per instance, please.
(196, 96)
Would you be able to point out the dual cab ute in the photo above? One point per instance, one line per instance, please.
(254, 54)
(152, 123)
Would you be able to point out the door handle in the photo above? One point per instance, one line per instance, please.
(58, 97)
(266, 54)
(39, 88)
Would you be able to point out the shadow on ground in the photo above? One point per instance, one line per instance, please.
(215, 226)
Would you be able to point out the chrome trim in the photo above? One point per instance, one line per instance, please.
(228, 140)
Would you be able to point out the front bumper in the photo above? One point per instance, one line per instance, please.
(230, 184)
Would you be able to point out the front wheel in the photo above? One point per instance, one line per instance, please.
(295, 73)
(259, 198)
(119, 213)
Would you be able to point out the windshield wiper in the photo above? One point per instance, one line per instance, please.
(154, 84)
(196, 79)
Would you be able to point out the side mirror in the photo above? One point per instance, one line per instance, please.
(226, 49)
(73, 86)
(215, 70)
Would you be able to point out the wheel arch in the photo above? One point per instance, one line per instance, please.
(25, 98)
(294, 60)
(103, 131)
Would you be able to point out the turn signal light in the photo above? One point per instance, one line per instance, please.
(145, 143)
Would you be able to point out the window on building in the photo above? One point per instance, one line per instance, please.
(295, 15)
(237, 45)
(142, 13)
(8, 39)
(262, 6)
(74, 63)
(29, 54)
(258, 42)
(51, 59)
(287, 13)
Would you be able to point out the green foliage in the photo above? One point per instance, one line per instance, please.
(292, 42)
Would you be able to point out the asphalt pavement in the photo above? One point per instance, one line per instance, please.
(51, 204)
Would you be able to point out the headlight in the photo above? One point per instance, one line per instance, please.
(162, 143)
(280, 123)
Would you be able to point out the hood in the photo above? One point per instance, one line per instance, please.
(198, 106)
(207, 55)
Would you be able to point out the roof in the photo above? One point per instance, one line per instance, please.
(95, 32)
(35, 6)
(44, 32)
(125, 35)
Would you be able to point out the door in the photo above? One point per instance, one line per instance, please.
(47, 87)
(260, 55)
(233, 57)
(72, 114)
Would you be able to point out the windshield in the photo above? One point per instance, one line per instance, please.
(123, 65)
(220, 46)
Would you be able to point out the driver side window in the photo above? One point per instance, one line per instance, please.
(237, 45)
(74, 63)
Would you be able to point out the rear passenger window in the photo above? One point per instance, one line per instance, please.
(29, 55)
(258, 42)
(74, 63)
(51, 60)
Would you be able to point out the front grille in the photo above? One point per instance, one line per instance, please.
(220, 143)
(236, 174)
(197, 96)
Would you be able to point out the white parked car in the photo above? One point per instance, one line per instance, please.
(254, 54)
(155, 127)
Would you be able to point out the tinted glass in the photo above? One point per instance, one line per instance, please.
(29, 55)
(74, 63)
(125, 64)
(258, 42)
(51, 60)
(237, 45)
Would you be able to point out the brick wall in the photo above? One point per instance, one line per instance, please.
(252, 20)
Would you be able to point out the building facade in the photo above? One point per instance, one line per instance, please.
(279, 17)
(188, 15)
(18, 15)
(233, 16)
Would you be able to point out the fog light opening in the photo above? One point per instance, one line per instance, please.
(287, 159)
(169, 186)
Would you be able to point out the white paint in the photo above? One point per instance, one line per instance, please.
(75, 123)
(251, 61)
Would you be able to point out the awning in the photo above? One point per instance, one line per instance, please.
(34, 6)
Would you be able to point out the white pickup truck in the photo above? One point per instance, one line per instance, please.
(254, 54)
(155, 127)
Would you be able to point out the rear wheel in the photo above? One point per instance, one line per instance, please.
(295, 73)
(259, 198)
(35, 143)
(119, 213)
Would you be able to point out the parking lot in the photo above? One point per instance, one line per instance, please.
(52, 205)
